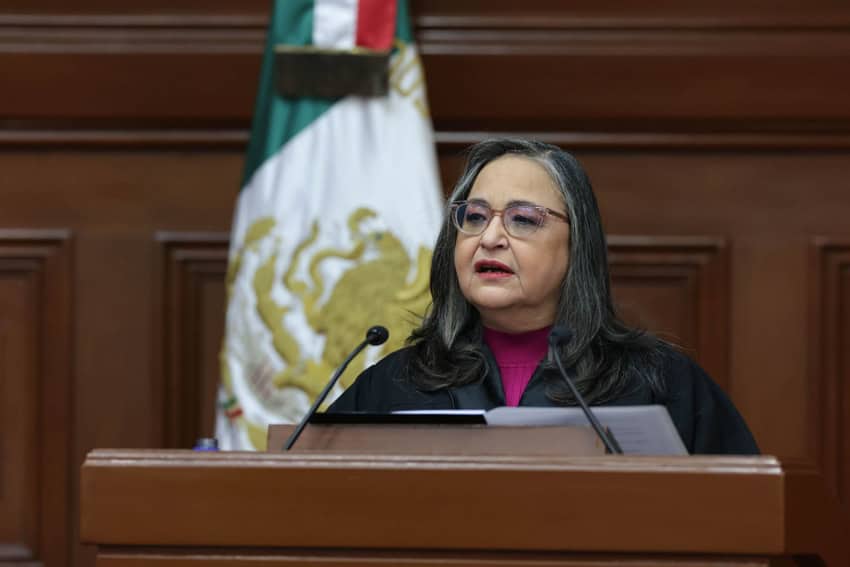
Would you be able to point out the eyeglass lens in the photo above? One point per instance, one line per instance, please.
(518, 220)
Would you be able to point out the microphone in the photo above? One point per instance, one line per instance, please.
(375, 336)
(561, 335)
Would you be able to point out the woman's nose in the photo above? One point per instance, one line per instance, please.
(494, 236)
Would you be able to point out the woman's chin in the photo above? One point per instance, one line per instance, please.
(500, 315)
(493, 302)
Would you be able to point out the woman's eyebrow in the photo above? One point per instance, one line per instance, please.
(521, 203)
(511, 203)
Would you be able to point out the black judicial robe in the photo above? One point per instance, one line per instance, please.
(706, 419)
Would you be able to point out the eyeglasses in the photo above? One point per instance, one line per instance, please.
(520, 221)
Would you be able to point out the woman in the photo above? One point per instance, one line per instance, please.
(499, 285)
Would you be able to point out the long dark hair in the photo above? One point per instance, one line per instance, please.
(606, 354)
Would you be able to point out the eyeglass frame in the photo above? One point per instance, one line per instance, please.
(453, 207)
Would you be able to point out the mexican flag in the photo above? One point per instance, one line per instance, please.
(333, 228)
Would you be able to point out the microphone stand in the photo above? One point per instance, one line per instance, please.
(605, 435)
(376, 335)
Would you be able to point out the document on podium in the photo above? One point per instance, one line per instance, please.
(640, 430)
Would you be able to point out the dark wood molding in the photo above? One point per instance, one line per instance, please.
(183, 20)
(40, 261)
(691, 272)
(134, 12)
(136, 39)
(830, 360)
(694, 140)
(452, 14)
(513, 35)
(62, 138)
(614, 14)
(188, 262)
(633, 43)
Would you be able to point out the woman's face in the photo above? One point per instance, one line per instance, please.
(515, 283)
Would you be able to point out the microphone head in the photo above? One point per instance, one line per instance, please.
(560, 335)
(377, 335)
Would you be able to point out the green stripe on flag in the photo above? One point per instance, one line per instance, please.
(402, 23)
(277, 120)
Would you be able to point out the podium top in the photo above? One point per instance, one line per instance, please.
(714, 505)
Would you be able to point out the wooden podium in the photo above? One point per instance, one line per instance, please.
(320, 509)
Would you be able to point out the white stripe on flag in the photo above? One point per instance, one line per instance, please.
(335, 23)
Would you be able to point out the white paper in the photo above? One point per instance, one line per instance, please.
(640, 430)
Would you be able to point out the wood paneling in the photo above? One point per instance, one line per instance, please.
(667, 14)
(35, 383)
(116, 202)
(190, 330)
(830, 359)
(677, 288)
(713, 83)
(174, 86)
(698, 70)
(468, 13)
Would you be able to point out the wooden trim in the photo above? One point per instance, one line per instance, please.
(455, 141)
(703, 264)
(762, 22)
(448, 142)
(47, 263)
(128, 20)
(186, 259)
(632, 43)
(94, 40)
(429, 18)
(828, 363)
(125, 138)
(100, 35)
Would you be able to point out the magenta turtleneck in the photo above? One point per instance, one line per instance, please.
(517, 355)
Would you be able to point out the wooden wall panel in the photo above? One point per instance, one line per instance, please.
(177, 84)
(592, 14)
(717, 82)
(478, 13)
(193, 301)
(677, 288)
(702, 70)
(35, 382)
(115, 202)
(830, 359)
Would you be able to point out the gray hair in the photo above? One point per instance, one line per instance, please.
(605, 353)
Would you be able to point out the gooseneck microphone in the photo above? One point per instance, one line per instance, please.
(376, 335)
(561, 336)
